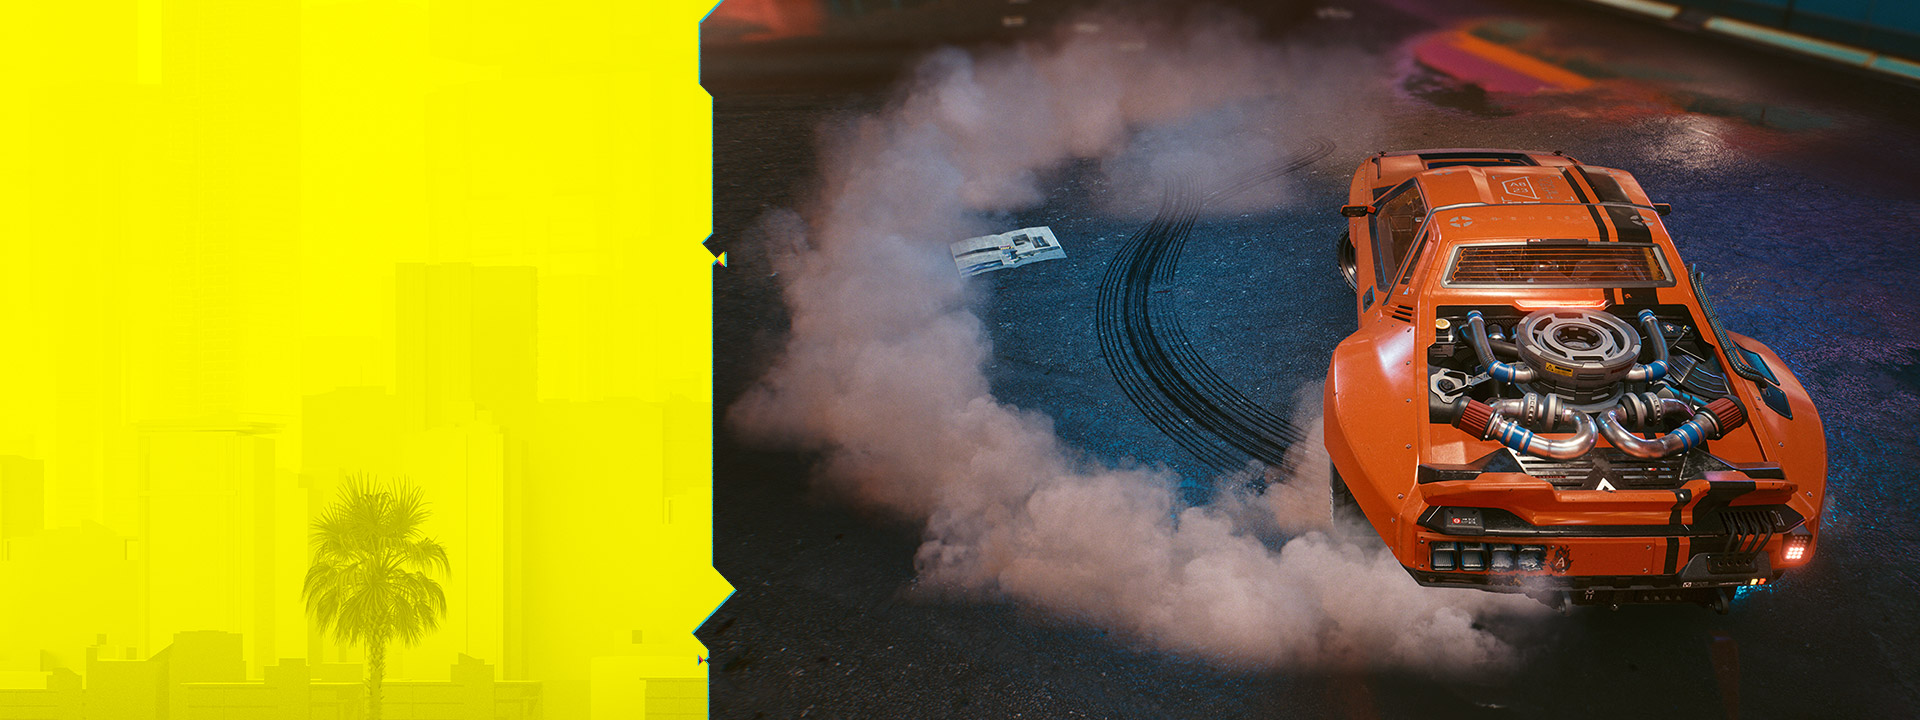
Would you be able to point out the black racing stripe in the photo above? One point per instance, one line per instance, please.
(1680, 498)
(1581, 195)
(1578, 194)
(1626, 221)
(1605, 188)
(1631, 226)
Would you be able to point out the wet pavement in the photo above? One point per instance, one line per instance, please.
(1794, 186)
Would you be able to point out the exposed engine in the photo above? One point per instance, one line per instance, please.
(1501, 376)
(1581, 355)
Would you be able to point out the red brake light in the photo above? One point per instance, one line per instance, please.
(1796, 548)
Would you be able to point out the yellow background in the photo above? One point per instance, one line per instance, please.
(249, 247)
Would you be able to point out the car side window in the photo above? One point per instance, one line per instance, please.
(1395, 227)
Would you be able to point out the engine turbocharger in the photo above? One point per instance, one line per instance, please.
(1581, 355)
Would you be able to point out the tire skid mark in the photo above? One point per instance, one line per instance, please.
(1147, 349)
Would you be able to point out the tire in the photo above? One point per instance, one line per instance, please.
(1347, 260)
(1348, 520)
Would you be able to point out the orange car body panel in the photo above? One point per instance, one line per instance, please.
(1377, 426)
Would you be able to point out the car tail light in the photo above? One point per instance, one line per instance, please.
(1797, 547)
(1473, 556)
(1443, 555)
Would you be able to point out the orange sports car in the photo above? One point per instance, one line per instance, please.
(1539, 399)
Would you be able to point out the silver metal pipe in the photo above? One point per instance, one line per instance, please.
(1505, 372)
(1511, 434)
(1690, 433)
(1650, 326)
(1640, 411)
(1670, 406)
(1477, 336)
(1535, 411)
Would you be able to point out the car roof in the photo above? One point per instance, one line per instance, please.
(1395, 167)
(1536, 202)
(1521, 184)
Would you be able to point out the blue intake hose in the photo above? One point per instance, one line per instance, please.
(1504, 372)
(1656, 340)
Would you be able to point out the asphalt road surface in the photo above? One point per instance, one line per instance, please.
(1794, 185)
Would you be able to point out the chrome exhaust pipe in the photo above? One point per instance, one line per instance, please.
(1709, 423)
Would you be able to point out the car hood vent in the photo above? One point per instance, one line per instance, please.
(1560, 263)
(1608, 468)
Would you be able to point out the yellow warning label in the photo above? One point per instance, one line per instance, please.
(1557, 370)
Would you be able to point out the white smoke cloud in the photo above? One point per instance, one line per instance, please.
(882, 372)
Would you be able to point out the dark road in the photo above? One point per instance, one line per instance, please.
(1795, 187)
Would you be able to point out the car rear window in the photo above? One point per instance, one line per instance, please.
(1436, 161)
(1559, 264)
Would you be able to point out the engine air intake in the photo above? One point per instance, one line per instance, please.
(1560, 264)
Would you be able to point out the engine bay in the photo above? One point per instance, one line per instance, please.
(1646, 378)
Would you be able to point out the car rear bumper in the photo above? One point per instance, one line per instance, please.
(1708, 579)
(1517, 534)
(1600, 564)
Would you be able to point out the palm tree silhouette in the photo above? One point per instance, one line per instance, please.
(369, 580)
